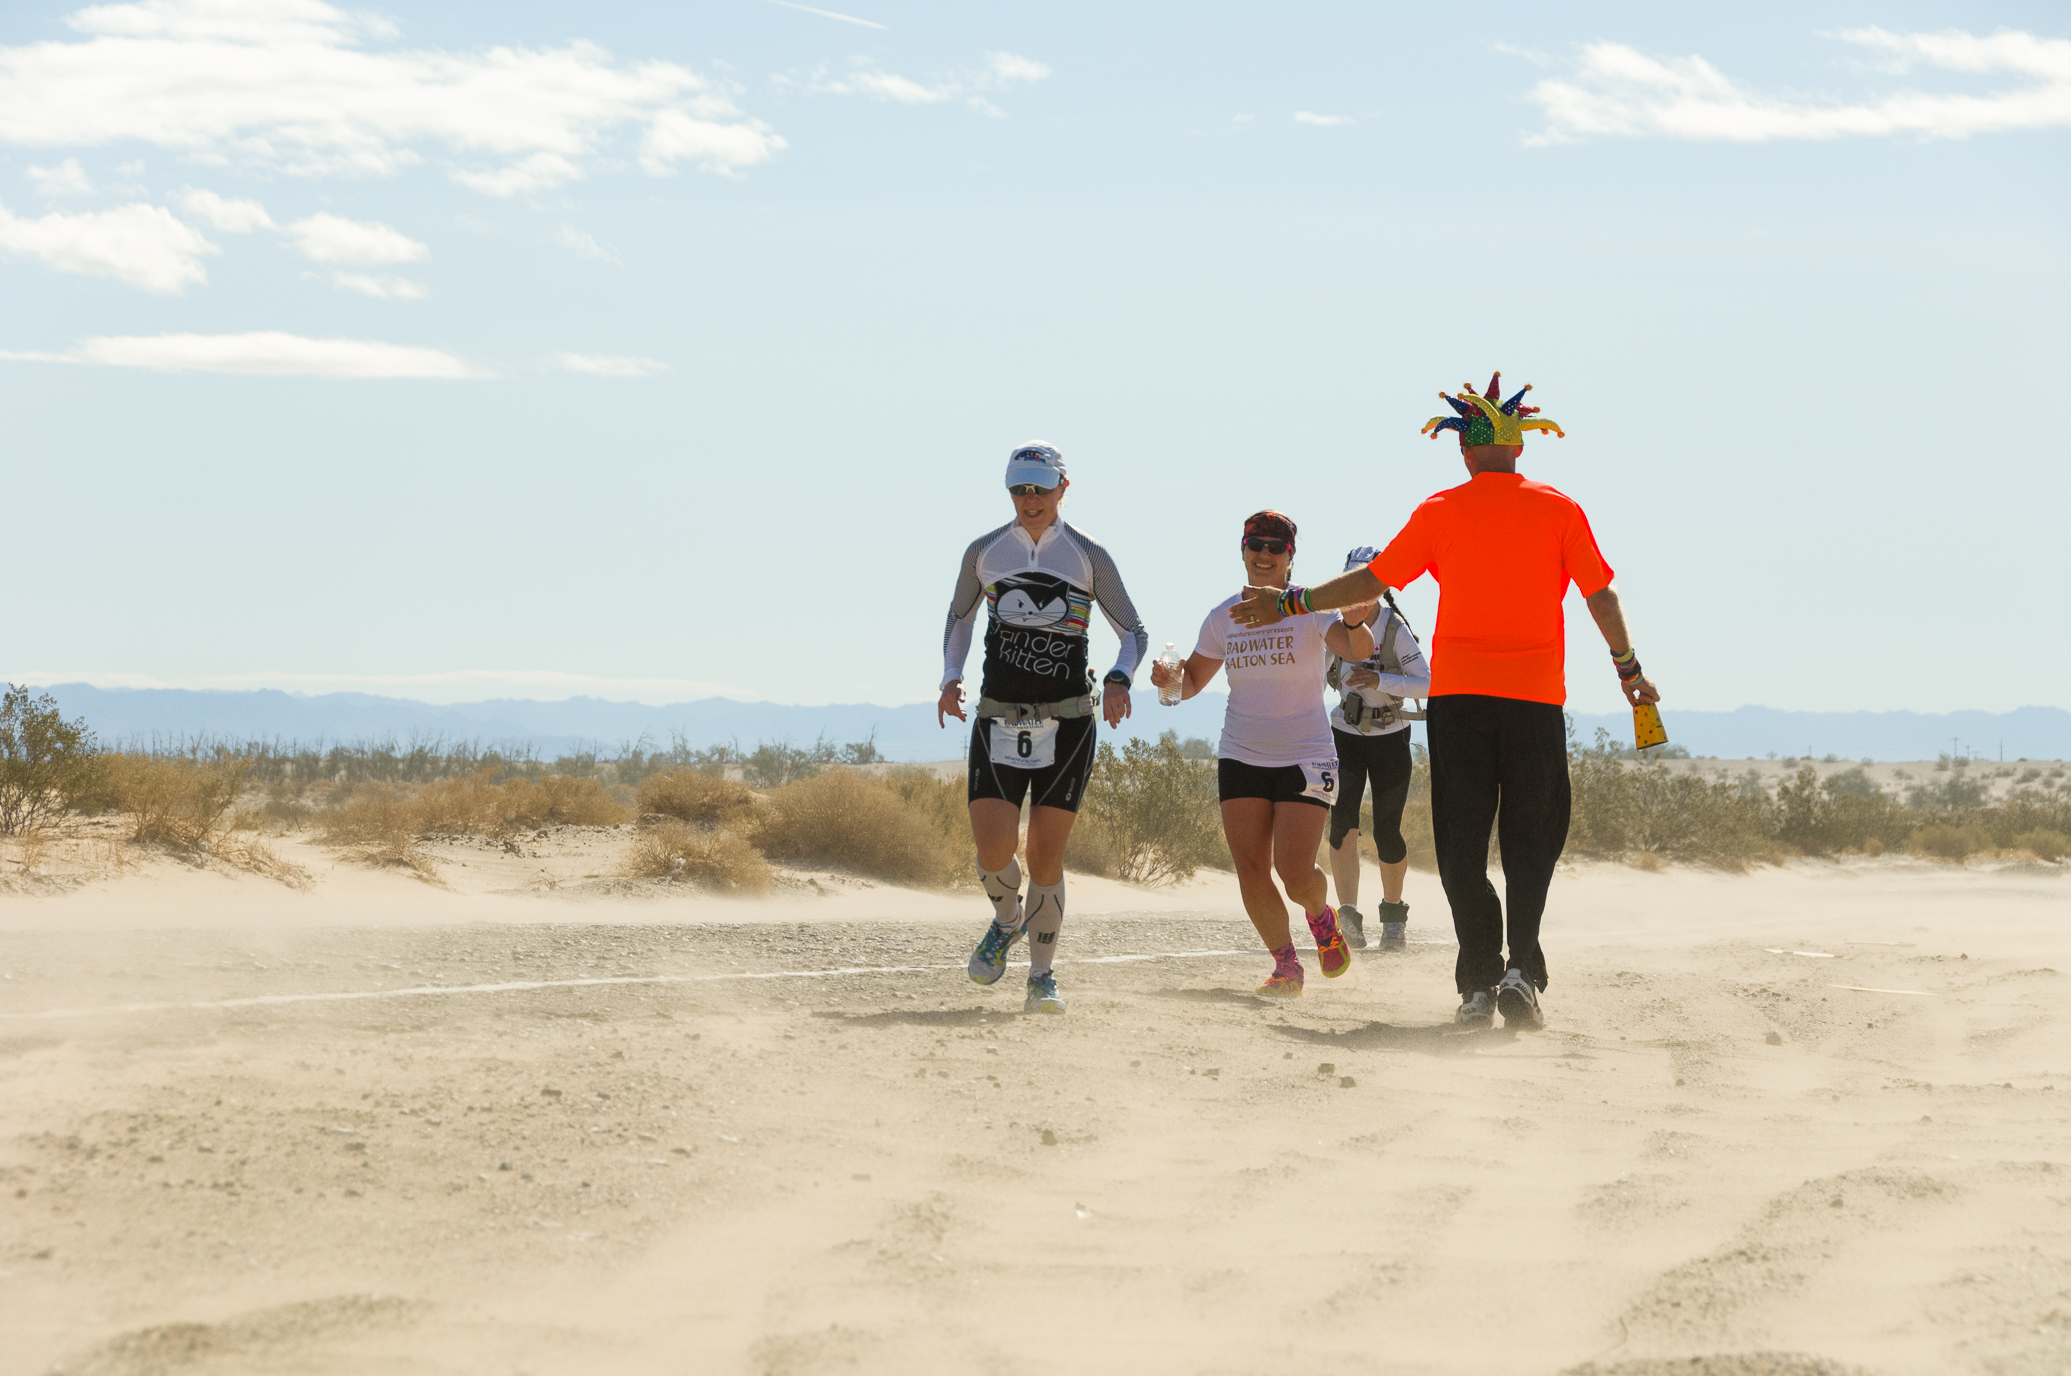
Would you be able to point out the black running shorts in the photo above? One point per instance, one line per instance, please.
(1384, 762)
(1048, 763)
(1287, 784)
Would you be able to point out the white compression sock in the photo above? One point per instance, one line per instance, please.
(1003, 887)
(1045, 919)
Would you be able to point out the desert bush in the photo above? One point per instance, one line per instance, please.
(1945, 842)
(2044, 845)
(561, 799)
(1154, 811)
(1637, 807)
(47, 764)
(692, 795)
(709, 856)
(378, 824)
(175, 802)
(898, 827)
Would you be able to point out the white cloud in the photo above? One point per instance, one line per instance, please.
(1617, 90)
(381, 288)
(229, 216)
(584, 245)
(142, 245)
(265, 354)
(674, 136)
(293, 85)
(1324, 121)
(325, 238)
(611, 365)
(828, 14)
(540, 172)
(68, 178)
(1001, 71)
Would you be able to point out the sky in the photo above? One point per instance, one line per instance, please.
(658, 351)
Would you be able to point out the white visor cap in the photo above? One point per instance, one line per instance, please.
(1035, 463)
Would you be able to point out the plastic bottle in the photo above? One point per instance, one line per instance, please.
(1169, 696)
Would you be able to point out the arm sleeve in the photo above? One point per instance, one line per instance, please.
(1581, 558)
(963, 616)
(1114, 603)
(1415, 679)
(1407, 557)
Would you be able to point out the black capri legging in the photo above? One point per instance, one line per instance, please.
(1382, 761)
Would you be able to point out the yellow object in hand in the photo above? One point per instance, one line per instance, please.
(1646, 726)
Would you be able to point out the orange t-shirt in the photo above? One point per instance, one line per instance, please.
(1503, 550)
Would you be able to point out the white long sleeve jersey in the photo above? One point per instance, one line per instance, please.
(1038, 596)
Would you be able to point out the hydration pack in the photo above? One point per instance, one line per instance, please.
(1370, 717)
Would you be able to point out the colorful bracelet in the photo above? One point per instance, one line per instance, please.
(1627, 665)
(1295, 602)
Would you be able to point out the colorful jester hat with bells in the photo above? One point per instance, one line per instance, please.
(1490, 419)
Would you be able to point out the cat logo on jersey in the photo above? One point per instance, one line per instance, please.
(1039, 602)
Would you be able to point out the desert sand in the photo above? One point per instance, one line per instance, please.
(539, 1120)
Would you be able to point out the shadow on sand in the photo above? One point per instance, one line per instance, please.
(921, 1017)
(1440, 1039)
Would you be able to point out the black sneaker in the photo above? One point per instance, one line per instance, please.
(1477, 1009)
(1519, 1001)
(1352, 925)
(1394, 917)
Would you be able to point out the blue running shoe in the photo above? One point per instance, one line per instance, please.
(989, 961)
(1042, 995)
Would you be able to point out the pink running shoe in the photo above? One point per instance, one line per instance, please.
(1282, 986)
(1331, 952)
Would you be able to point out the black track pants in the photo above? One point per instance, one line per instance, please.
(1502, 761)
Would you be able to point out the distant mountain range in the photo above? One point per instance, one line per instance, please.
(908, 732)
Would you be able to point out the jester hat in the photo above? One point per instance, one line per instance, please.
(1490, 419)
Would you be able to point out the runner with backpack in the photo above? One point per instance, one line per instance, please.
(1371, 727)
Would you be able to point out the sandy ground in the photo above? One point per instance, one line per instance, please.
(512, 1126)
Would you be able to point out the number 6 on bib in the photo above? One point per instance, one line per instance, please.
(1024, 744)
(1322, 778)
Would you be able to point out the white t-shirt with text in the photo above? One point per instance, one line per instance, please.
(1276, 715)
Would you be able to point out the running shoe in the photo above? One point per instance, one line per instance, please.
(1394, 918)
(1519, 1001)
(1281, 987)
(1352, 925)
(1042, 995)
(1477, 1009)
(989, 961)
(1331, 952)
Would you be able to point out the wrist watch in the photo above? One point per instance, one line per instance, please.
(1115, 676)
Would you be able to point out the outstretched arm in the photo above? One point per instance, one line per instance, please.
(1610, 619)
(1261, 606)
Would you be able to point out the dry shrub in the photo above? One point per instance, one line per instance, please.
(907, 827)
(378, 824)
(256, 857)
(176, 802)
(1155, 812)
(2044, 845)
(561, 799)
(470, 805)
(1944, 842)
(707, 856)
(691, 795)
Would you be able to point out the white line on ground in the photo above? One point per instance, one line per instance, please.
(1816, 955)
(1865, 989)
(521, 986)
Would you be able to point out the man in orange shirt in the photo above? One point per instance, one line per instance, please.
(1503, 549)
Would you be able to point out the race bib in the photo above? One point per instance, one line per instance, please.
(1322, 778)
(1025, 744)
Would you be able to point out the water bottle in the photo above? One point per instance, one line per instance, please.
(1169, 696)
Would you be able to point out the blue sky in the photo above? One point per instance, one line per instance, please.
(657, 350)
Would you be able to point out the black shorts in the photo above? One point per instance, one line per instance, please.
(1384, 762)
(1286, 784)
(1059, 783)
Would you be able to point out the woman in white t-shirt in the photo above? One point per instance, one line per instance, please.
(1276, 767)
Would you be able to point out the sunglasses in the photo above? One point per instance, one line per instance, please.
(1028, 490)
(1257, 544)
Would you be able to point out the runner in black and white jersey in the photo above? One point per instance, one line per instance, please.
(1037, 579)
(1371, 725)
(1276, 766)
